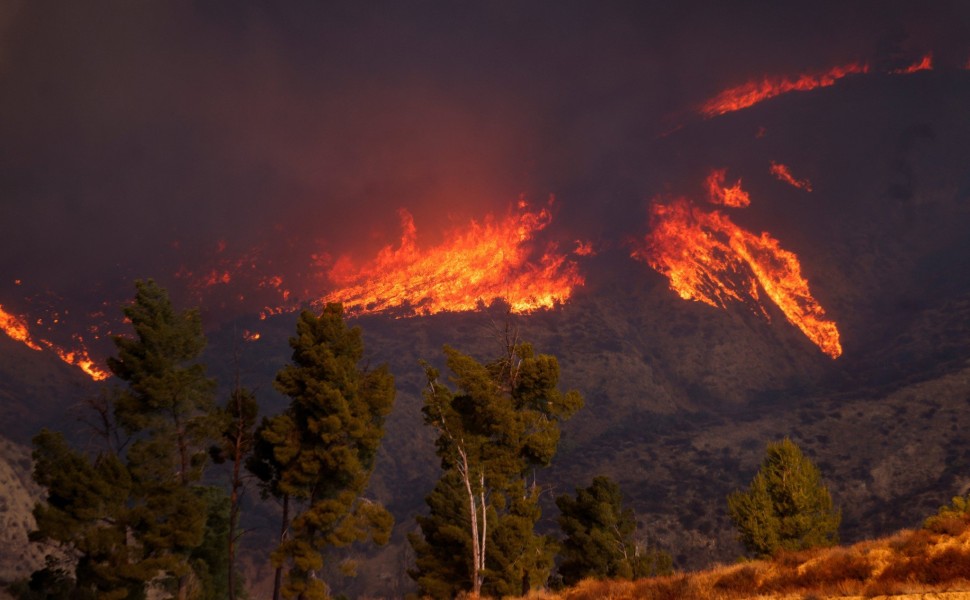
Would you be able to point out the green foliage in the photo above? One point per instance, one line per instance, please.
(235, 446)
(321, 451)
(786, 506)
(53, 582)
(130, 517)
(952, 518)
(499, 424)
(600, 537)
(210, 559)
(87, 513)
(169, 404)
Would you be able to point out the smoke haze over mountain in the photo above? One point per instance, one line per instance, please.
(139, 138)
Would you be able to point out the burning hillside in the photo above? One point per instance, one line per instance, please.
(488, 261)
(16, 328)
(709, 259)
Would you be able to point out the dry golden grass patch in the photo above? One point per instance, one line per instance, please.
(923, 562)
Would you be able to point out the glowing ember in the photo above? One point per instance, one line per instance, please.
(753, 92)
(783, 173)
(708, 258)
(488, 261)
(728, 196)
(16, 328)
(924, 64)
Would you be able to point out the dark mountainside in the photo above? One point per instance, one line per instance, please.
(681, 398)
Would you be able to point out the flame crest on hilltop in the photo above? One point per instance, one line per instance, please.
(708, 258)
(923, 64)
(495, 259)
(753, 92)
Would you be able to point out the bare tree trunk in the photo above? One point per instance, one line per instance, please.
(478, 537)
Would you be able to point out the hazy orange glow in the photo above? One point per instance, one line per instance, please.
(924, 64)
(719, 193)
(16, 328)
(753, 92)
(487, 261)
(708, 258)
(783, 173)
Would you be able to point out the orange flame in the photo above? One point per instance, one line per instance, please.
(16, 328)
(924, 64)
(82, 360)
(753, 92)
(584, 248)
(708, 258)
(489, 261)
(718, 193)
(783, 173)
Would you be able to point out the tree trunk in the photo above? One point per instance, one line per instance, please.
(278, 576)
(478, 539)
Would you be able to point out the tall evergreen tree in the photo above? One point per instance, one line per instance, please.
(601, 537)
(325, 446)
(786, 505)
(498, 426)
(169, 410)
(131, 516)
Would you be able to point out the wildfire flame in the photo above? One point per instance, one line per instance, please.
(924, 64)
(753, 92)
(719, 193)
(708, 258)
(16, 328)
(783, 173)
(584, 248)
(488, 261)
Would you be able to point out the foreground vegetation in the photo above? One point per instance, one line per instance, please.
(935, 558)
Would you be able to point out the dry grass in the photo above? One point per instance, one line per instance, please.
(911, 562)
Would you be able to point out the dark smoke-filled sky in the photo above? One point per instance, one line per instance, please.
(138, 138)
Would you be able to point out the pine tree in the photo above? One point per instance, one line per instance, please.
(601, 537)
(325, 445)
(786, 505)
(498, 426)
(136, 510)
(169, 410)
